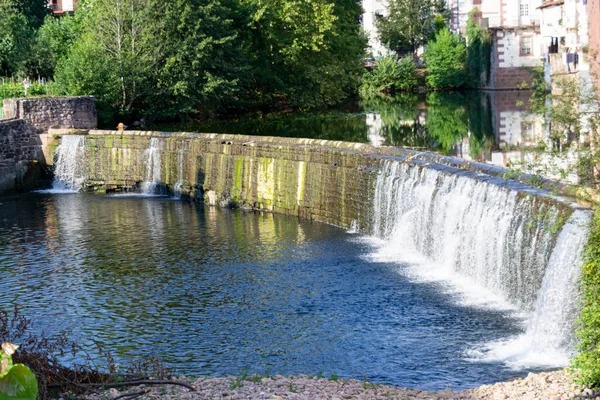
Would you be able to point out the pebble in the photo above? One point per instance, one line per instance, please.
(544, 386)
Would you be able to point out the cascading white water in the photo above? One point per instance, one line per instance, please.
(484, 238)
(549, 338)
(68, 169)
(152, 185)
(179, 184)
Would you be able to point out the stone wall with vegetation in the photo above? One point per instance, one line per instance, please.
(20, 155)
(327, 181)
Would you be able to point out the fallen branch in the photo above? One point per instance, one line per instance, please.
(142, 382)
(130, 396)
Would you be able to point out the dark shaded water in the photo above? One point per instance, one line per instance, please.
(222, 292)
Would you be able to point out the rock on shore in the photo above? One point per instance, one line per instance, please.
(544, 386)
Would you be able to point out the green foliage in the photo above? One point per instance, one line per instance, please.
(15, 38)
(17, 382)
(199, 58)
(86, 72)
(34, 11)
(52, 43)
(447, 119)
(390, 75)
(586, 364)
(410, 23)
(445, 59)
(478, 51)
(13, 90)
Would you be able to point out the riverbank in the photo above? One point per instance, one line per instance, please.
(544, 386)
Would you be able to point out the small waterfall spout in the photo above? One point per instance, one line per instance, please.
(178, 192)
(153, 184)
(68, 166)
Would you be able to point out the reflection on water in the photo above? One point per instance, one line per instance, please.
(220, 292)
(491, 127)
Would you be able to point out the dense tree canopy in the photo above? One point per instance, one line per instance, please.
(195, 58)
(410, 23)
(15, 36)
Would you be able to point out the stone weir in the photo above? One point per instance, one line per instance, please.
(328, 181)
(519, 242)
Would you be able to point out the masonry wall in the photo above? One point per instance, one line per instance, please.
(54, 112)
(20, 155)
(23, 135)
(327, 181)
(510, 69)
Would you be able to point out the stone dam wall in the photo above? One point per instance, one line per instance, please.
(23, 136)
(328, 181)
(20, 155)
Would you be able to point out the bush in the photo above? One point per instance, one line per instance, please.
(586, 364)
(14, 90)
(445, 59)
(389, 76)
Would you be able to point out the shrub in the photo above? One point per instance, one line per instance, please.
(586, 364)
(445, 59)
(389, 76)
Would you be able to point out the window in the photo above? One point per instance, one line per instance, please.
(527, 131)
(526, 45)
(524, 8)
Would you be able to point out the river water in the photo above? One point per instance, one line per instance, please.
(224, 292)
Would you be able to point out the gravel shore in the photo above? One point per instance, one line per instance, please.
(544, 386)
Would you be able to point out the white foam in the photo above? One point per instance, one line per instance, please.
(488, 248)
(68, 167)
(57, 191)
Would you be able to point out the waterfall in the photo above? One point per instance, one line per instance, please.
(68, 168)
(153, 185)
(179, 184)
(549, 339)
(484, 238)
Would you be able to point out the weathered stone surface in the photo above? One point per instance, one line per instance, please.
(23, 135)
(44, 113)
(20, 155)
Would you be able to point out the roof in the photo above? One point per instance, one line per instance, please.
(551, 3)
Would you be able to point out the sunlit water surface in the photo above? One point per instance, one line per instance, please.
(225, 292)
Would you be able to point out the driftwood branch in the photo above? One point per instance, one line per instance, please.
(130, 396)
(141, 382)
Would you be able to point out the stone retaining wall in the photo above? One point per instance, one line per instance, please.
(54, 112)
(20, 155)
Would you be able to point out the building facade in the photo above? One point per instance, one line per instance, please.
(593, 9)
(61, 7)
(373, 8)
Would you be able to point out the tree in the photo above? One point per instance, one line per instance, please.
(445, 59)
(203, 57)
(52, 42)
(306, 53)
(478, 51)
(410, 23)
(390, 75)
(35, 11)
(15, 38)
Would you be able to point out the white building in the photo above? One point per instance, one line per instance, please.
(373, 8)
(60, 7)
